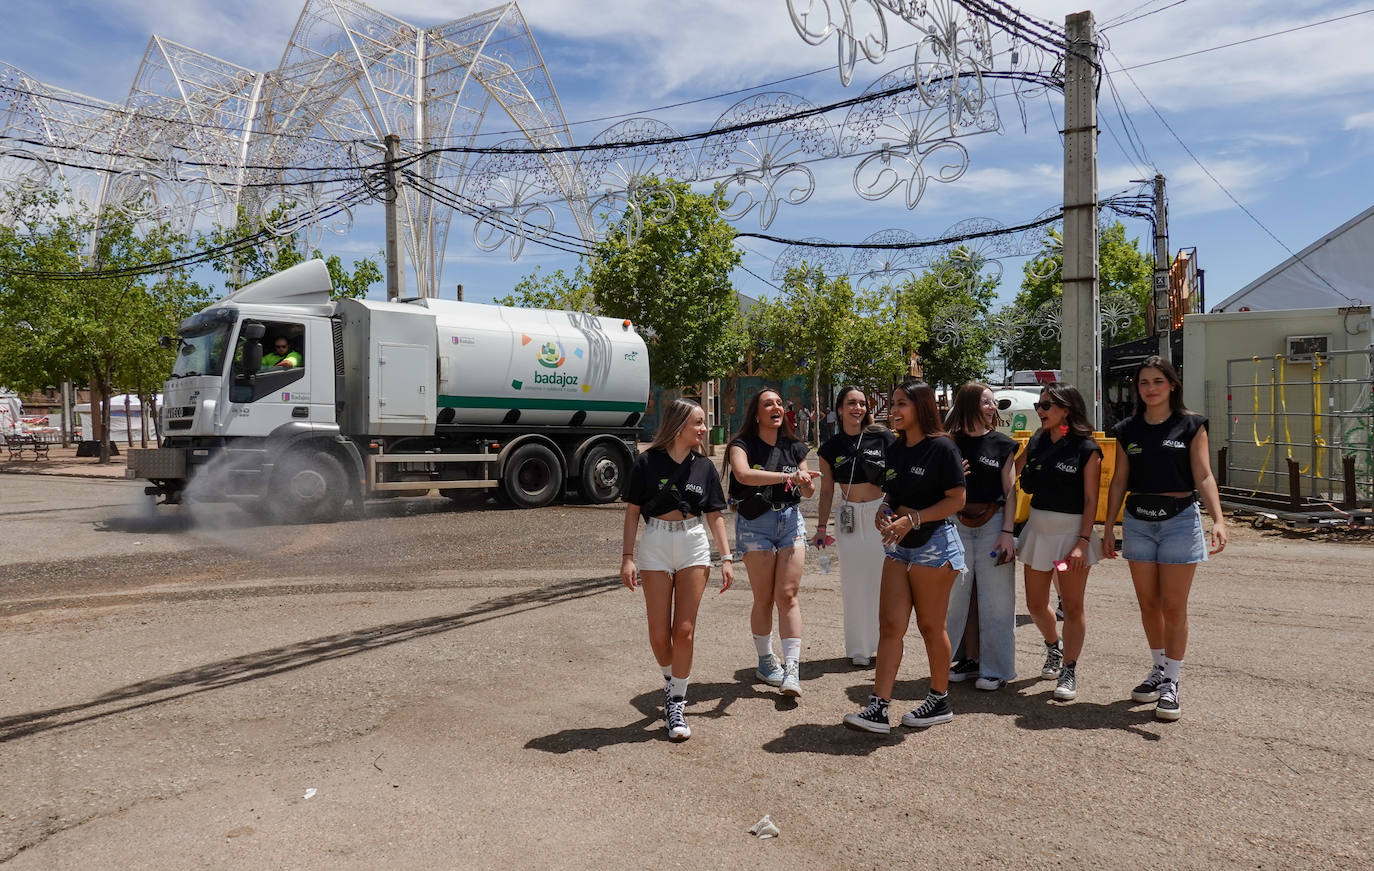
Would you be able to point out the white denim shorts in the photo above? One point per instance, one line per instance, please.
(671, 550)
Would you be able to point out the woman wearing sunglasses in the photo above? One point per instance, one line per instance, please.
(1162, 458)
(1061, 469)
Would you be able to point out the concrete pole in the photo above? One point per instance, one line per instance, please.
(67, 415)
(395, 271)
(1081, 334)
(1164, 314)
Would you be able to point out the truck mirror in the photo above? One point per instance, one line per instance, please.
(254, 331)
(252, 358)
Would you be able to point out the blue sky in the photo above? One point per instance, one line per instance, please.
(1286, 124)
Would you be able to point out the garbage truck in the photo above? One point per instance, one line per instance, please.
(298, 405)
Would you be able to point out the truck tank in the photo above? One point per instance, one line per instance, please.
(553, 367)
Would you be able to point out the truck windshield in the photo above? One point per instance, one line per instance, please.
(202, 347)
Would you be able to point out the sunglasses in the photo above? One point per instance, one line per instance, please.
(1044, 406)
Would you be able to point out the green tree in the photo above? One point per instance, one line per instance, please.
(553, 291)
(1123, 268)
(97, 324)
(248, 264)
(954, 283)
(673, 278)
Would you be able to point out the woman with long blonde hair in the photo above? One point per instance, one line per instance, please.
(673, 486)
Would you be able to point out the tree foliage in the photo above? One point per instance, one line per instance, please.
(823, 328)
(953, 283)
(673, 278)
(102, 330)
(1123, 268)
(249, 264)
(553, 291)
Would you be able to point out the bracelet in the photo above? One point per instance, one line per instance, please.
(917, 521)
(628, 554)
(1008, 532)
(727, 558)
(1085, 538)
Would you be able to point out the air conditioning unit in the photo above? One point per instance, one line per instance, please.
(1303, 347)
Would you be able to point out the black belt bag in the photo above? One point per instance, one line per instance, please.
(1154, 507)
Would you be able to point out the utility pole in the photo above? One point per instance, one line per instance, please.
(1081, 334)
(395, 275)
(1164, 311)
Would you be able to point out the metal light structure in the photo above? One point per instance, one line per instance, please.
(200, 135)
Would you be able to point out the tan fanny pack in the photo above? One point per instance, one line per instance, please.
(975, 514)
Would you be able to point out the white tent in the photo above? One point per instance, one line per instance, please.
(1335, 271)
(122, 419)
(10, 412)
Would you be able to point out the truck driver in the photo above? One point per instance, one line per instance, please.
(282, 356)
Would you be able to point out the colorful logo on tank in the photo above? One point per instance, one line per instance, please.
(551, 355)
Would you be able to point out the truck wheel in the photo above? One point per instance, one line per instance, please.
(307, 487)
(533, 476)
(603, 474)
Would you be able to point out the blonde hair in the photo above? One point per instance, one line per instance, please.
(676, 415)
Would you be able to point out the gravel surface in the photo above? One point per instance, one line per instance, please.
(446, 685)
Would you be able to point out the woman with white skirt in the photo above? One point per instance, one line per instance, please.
(1061, 468)
(852, 462)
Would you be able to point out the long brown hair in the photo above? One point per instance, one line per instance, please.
(676, 415)
(967, 411)
(922, 397)
(1170, 375)
(749, 427)
(1067, 397)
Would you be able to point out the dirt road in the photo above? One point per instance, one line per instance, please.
(471, 688)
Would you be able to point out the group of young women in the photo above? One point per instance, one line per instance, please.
(925, 524)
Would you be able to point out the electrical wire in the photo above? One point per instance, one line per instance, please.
(1242, 41)
(1117, 22)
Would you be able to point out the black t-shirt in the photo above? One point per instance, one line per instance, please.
(870, 446)
(659, 486)
(919, 475)
(785, 456)
(1158, 454)
(986, 455)
(1053, 474)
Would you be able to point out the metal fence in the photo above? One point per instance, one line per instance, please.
(1317, 410)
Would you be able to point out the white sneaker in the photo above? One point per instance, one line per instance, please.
(989, 684)
(791, 682)
(860, 661)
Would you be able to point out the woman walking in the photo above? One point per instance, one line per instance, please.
(924, 487)
(768, 477)
(1162, 458)
(853, 463)
(1061, 468)
(985, 526)
(673, 486)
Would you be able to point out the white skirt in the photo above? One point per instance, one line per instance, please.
(861, 578)
(1048, 536)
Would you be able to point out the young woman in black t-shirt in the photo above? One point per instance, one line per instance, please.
(768, 480)
(1162, 458)
(853, 464)
(985, 528)
(1061, 468)
(674, 487)
(924, 488)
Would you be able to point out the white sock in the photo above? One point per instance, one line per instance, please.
(764, 644)
(1158, 654)
(1173, 668)
(678, 687)
(667, 671)
(791, 649)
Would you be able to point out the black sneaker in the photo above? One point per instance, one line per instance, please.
(873, 718)
(1067, 688)
(674, 716)
(1059, 609)
(1054, 660)
(1167, 708)
(963, 669)
(933, 711)
(1148, 690)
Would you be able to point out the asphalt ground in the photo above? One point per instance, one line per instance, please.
(461, 686)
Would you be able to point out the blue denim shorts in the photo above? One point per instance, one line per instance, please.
(772, 530)
(943, 547)
(1174, 542)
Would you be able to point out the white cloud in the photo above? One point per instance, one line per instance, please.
(1362, 121)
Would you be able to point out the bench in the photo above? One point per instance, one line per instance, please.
(18, 444)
